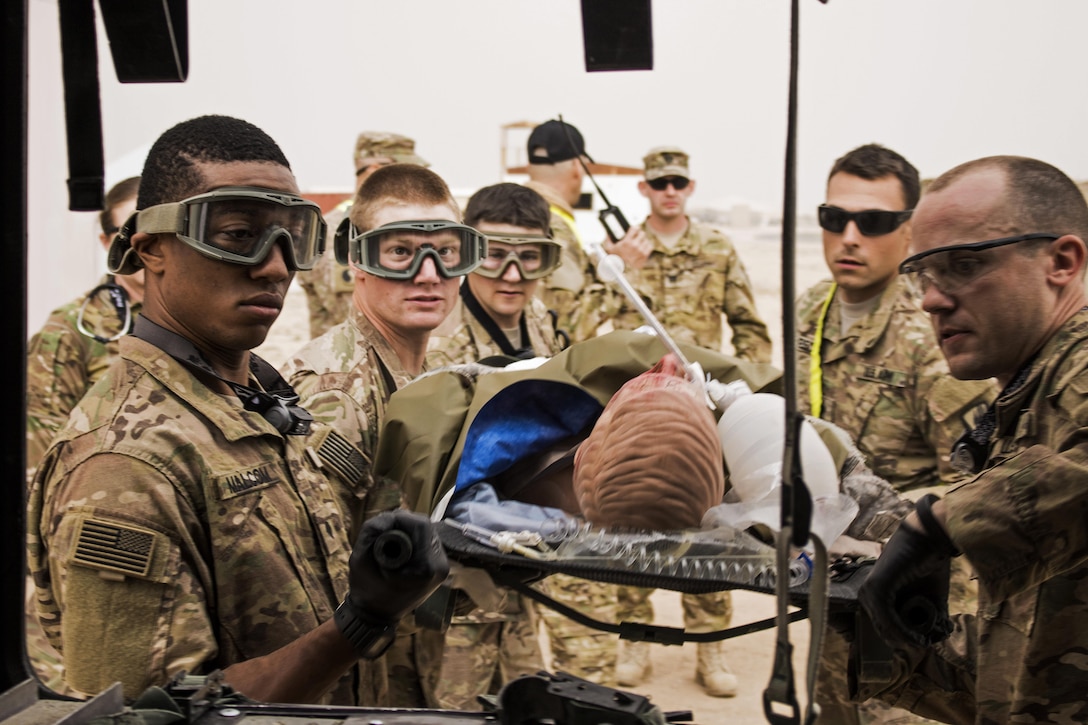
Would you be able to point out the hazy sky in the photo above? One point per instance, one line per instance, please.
(941, 81)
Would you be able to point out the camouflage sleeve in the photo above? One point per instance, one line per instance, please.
(751, 340)
(950, 407)
(348, 452)
(136, 617)
(597, 303)
(1021, 522)
(56, 380)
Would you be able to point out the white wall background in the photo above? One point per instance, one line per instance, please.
(942, 81)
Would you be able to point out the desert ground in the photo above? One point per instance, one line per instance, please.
(672, 686)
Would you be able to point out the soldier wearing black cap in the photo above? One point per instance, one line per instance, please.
(556, 173)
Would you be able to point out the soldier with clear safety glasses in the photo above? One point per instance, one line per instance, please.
(999, 257)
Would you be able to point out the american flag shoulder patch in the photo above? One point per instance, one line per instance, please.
(114, 547)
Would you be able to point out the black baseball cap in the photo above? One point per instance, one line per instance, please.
(554, 141)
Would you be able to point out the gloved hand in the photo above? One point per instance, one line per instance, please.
(397, 562)
(906, 593)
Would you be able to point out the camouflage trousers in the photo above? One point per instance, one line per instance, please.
(582, 651)
(702, 612)
(481, 656)
(833, 693)
(476, 655)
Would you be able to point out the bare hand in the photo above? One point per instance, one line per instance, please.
(634, 249)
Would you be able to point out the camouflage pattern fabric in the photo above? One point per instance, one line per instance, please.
(221, 538)
(690, 285)
(481, 656)
(329, 285)
(564, 290)
(702, 612)
(886, 383)
(462, 339)
(344, 379)
(580, 650)
(1021, 525)
(62, 364)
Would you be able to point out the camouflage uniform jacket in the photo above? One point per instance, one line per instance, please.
(62, 364)
(689, 286)
(170, 529)
(329, 285)
(566, 289)
(462, 339)
(886, 383)
(345, 378)
(1022, 524)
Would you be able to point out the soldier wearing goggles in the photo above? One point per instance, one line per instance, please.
(232, 224)
(407, 249)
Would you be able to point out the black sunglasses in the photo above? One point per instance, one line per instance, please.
(678, 182)
(871, 222)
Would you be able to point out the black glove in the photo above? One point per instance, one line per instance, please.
(396, 563)
(906, 593)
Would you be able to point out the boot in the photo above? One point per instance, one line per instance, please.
(711, 671)
(633, 665)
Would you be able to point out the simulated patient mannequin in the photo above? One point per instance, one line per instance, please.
(653, 459)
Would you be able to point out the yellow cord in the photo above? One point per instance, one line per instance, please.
(570, 222)
(815, 368)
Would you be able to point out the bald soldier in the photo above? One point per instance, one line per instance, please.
(329, 284)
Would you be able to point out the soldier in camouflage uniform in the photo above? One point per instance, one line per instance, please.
(65, 358)
(498, 313)
(869, 363)
(497, 316)
(183, 519)
(573, 291)
(346, 375)
(329, 284)
(1012, 308)
(689, 275)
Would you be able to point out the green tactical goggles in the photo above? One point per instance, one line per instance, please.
(233, 224)
(396, 251)
(535, 256)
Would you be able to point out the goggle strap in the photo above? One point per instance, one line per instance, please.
(162, 219)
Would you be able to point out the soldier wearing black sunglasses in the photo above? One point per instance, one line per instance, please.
(869, 362)
(690, 274)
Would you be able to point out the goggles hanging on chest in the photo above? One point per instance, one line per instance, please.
(233, 224)
(396, 251)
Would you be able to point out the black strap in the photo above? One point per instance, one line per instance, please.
(497, 335)
(275, 400)
(82, 107)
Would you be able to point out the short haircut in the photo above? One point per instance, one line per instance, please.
(1038, 197)
(118, 194)
(400, 184)
(873, 161)
(508, 203)
(170, 172)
